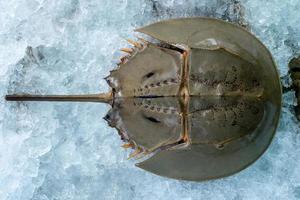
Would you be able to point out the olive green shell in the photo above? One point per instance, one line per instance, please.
(202, 104)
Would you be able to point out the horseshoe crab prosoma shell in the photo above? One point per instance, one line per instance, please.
(202, 103)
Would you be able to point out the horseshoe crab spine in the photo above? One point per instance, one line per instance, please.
(102, 97)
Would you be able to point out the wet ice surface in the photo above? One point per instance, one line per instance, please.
(67, 151)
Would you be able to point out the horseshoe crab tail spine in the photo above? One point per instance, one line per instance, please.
(102, 97)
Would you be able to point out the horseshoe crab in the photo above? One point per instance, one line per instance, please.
(202, 103)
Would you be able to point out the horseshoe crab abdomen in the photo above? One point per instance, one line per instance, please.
(148, 71)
